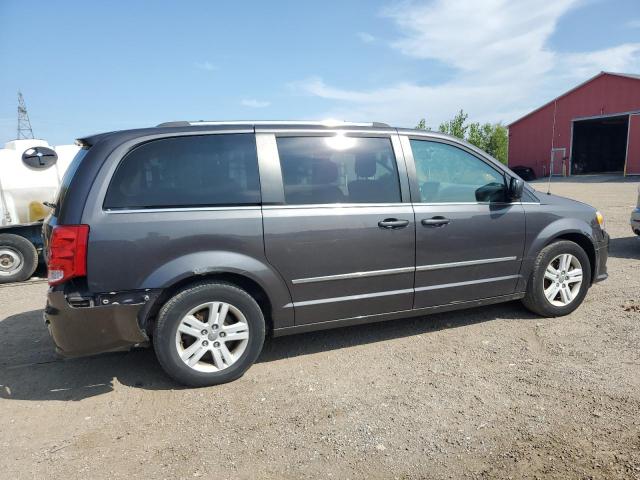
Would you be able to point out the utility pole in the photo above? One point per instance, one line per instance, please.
(24, 124)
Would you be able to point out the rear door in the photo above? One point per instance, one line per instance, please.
(338, 223)
(469, 238)
(169, 204)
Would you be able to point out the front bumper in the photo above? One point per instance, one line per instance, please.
(97, 328)
(635, 221)
(602, 254)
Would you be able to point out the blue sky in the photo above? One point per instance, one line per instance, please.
(86, 67)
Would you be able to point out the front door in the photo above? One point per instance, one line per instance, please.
(469, 239)
(343, 239)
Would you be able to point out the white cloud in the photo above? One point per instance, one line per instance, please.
(253, 103)
(485, 36)
(206, 65)
(403, 104)
(623, 58)
(499, 53)
(366, 37)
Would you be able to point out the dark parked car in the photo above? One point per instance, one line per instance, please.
(206, 237)
(525, 173)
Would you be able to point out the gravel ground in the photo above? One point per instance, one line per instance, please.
(493, 392)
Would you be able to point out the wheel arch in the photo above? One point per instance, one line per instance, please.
(249, 272)
(563, 229)
(244, 282)
(584, 242)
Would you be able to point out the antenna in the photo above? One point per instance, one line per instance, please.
(553, 138)
(24, 124)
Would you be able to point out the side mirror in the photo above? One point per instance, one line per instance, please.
(39, 157)
(516, 187)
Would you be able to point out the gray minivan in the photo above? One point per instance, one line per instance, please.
(202, 238)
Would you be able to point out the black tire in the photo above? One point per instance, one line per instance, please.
(535, 299)
(171, 315)
(19, 247)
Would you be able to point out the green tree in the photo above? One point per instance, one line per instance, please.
(498, 145)
(422, 125)
(479, 135)
(492, 138)
(456, 126)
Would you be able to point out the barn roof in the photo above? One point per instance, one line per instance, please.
(633, 76)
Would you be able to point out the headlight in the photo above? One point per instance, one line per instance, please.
(600, 220)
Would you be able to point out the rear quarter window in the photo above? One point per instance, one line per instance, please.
(67, 177)
(189, 171)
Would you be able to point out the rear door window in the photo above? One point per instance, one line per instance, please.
(190, 171)
(338, 169)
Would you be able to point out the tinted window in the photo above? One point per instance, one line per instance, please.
(450, 174)
(67, 177)
(188, 171)
(338, 169)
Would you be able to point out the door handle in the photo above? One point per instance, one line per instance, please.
(435, 222)
(393, 223)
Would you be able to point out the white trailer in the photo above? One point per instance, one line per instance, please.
(30, 175)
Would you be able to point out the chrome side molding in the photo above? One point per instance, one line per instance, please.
(395, 271)
(347, 276)
(468, 263)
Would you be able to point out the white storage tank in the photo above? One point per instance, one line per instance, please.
(30, 174)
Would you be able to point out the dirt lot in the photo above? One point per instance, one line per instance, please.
(488, 393)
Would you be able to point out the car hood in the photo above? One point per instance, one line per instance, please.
(568, 208)
(551, 199)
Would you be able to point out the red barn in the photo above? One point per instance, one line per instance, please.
(593, 128)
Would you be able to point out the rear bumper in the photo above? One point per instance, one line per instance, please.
(602, 254)
(635, 221)
(78, 331)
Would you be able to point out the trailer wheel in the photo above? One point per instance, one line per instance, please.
(18, 258)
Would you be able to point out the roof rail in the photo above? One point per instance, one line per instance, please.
(324, 123)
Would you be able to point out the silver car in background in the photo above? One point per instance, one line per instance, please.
(635, 216)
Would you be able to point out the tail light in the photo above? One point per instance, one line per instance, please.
(67, 253)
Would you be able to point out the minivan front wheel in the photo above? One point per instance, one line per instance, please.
(559, 281)
(209, 333)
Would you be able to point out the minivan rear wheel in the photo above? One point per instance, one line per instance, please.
(209, 333)
(560, 279)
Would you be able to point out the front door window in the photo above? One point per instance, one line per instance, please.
(447, 174)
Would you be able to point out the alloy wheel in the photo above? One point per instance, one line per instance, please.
(211, 337)
(562, 280)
